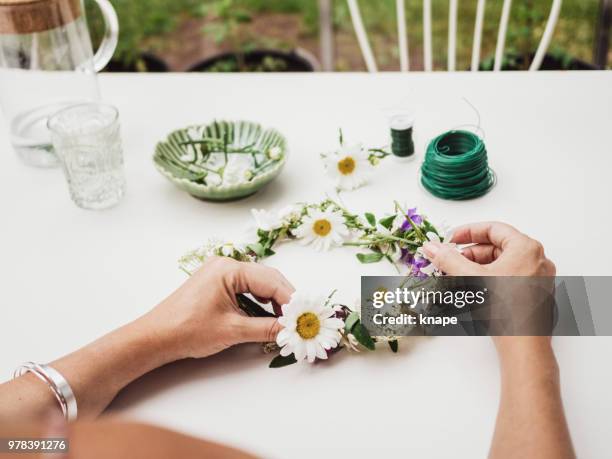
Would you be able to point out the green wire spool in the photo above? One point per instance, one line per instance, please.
(456, 167)
(402, 145)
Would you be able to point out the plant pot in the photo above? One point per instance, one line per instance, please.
(552, 61)
(260, 60)
(145, 62)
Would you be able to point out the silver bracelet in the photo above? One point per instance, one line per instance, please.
(58, 384)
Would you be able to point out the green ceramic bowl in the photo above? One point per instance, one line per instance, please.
(189, 156)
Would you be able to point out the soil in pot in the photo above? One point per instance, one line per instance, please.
(255, 61)
(145, 62)
(552, 61)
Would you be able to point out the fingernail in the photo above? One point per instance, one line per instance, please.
(431, 248)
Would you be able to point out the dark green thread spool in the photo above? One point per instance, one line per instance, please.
(402, 144)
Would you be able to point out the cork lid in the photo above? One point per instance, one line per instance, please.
(30, 16)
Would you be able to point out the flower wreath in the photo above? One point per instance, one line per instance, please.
(315, 327)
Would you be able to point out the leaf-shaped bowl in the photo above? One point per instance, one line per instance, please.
(192, 158)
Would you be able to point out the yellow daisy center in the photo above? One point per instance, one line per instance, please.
(322, 227)
(308, 325)
(346, 166)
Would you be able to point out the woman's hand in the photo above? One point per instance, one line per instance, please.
(202, 317)
(530, 422)
(501, 250)
(199, 319)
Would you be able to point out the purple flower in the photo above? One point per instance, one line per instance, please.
(416, 219)
(416, 263)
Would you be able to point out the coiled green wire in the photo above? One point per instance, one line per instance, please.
(456, 166)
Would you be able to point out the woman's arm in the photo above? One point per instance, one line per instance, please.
(199, 319)
(530, 421)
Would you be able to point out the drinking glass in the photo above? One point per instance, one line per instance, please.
(87, 141)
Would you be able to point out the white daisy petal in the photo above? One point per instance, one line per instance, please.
(283, 337)
(320, 352)
(311, 350)
(285, 351)
(333, 323)
(299, 349)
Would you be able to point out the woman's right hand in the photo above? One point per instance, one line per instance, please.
(501, 250)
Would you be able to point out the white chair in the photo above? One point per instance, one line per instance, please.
(368, 56)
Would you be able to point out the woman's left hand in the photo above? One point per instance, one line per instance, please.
(202, 317)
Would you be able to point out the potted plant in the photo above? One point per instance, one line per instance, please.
(245, 56)
(138, 23)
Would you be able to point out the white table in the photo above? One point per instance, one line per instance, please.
(68, 276)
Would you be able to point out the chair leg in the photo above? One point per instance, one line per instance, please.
(402, 35)
(326, 35)
(478, 35)
(452, 36)
(501, 36)
(547, 36)
(362, 36)
(428, 60)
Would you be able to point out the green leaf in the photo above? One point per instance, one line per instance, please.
(393, 345)
(350, 321)
(242, 16)
(258, 249)
(387, 221)
(370, 257)
(362, 335)
(370, 218)
(280, 361)
(251, 308)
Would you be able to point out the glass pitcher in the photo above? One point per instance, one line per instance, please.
(46, 64)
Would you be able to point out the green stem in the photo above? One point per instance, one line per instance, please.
(204, 168)
(382, 239)
(417, 230)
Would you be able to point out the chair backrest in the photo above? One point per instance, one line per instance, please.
(370, 61)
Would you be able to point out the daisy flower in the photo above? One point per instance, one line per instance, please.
(310, 329)
(266, 221)
(322, 229)
(349, 168)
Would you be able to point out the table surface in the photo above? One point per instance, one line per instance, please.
(69, 275)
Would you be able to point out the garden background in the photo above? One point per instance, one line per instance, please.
(183, 33)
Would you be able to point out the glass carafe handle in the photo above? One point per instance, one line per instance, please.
(111, 35)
